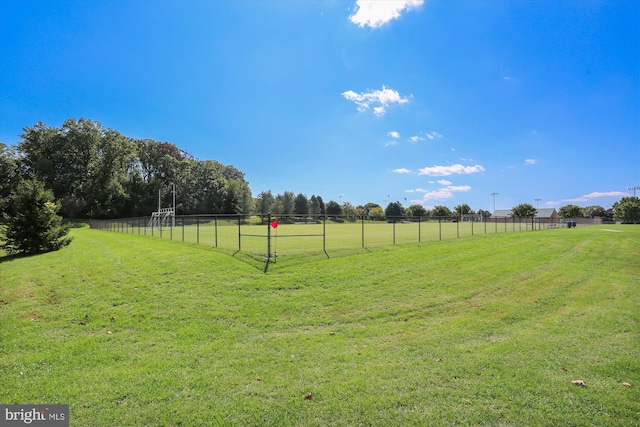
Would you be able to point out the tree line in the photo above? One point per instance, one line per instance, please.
(626, 210)
(95, 172)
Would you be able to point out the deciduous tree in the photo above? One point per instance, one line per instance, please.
(394, 209)
(417, 211)
(440, 211)
(570, 211)
(376, 213)
(463, 209)
(301, 204)
(264, 202)
(627, 210)
(333, 208)
(314, 205)
(595, 211)
(349, 211)
(523, 210)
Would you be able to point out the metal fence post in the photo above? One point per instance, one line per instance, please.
(324, 235)
(394, 231)
(239, 233)
(268, 238)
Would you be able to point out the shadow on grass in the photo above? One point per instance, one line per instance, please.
(12, 257)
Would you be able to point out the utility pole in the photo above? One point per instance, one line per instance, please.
(634, 188)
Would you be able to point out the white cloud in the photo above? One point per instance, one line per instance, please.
(458, 188)
(444, 182)
(441, 194)
(416, 138)
(390, 143)
(450, 170)
(394, 134)
(530, 162)
(594, 195)
(376, 13)
(445, 192)
(402, 170)
(433, 135)
(384, 98)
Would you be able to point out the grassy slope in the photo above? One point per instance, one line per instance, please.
(488, 330)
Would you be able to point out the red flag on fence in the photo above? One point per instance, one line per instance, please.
(274, 223)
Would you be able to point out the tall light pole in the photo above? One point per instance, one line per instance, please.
(537, 203)
(634, 188)
(494, 201)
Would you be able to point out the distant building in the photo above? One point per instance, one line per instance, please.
(501, 214)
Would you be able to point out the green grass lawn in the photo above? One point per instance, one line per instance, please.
(486, 330)
(294, 238)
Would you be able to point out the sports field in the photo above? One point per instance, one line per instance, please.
(334, 237)
(485, 330)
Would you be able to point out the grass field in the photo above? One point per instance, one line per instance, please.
(486, 330)
(333, 237)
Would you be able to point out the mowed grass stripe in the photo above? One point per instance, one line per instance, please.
(489, 330)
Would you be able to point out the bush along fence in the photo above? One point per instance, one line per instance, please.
(271, 236)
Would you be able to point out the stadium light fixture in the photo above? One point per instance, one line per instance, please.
(494, 201)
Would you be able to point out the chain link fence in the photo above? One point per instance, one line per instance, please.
(272, 236)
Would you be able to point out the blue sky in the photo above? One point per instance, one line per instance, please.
(435, 102)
